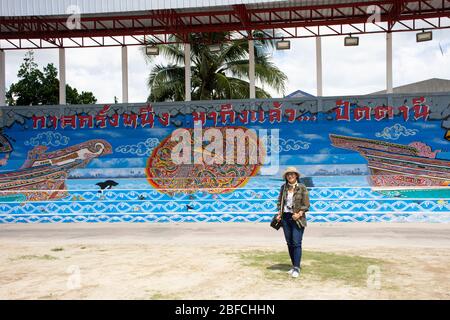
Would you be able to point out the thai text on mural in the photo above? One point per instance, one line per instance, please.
(147, 117)
(347, 111)
(228, 116)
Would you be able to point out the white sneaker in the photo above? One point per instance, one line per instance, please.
(295, 273)
(290, 271)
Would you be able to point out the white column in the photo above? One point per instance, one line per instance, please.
(389, 81)
(319, 66)
(2, 79)
(124, 74)
(62, 76)
(187, 72)
(251, 68)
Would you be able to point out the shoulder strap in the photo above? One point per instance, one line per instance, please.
(282, 198)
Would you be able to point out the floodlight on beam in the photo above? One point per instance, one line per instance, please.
(215, 47)
(151, 50)
(424, 36)
(283, 45)
(351, 41)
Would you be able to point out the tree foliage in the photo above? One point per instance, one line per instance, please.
(214, 75)
(36, 87)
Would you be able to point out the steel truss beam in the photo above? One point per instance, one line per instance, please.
(286, 22)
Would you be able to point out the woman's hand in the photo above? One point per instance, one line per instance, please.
(279, 217)
(297, 215)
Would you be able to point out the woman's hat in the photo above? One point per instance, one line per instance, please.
(290, 169)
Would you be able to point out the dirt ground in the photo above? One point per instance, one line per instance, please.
(202, 261)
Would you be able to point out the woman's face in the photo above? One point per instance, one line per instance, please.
(291, 177)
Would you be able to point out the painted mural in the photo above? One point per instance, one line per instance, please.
(363, 158)
(218, 177)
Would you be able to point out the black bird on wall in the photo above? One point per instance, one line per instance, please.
(108, 184)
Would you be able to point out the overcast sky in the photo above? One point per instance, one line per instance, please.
(346, 70)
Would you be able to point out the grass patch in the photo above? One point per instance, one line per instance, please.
(162, 296)
(321, 265)
(36, 257)
(57, 249)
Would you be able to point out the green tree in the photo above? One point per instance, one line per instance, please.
(24, 91)
(214, 75)
(73, 97)
(36, 87)
(50, 86)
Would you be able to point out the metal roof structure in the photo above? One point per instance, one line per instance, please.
(35, 24)
(425, 86)
(59, 7)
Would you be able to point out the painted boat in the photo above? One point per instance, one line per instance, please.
(439, 193)
(13, 198)
(397, 165)
(43, 175)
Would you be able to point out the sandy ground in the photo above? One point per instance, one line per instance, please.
(197, 261)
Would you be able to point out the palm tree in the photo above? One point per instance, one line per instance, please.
(214, 75)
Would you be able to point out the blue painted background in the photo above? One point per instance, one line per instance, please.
(338, 179)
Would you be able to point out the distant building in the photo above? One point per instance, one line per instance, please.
(299, 94)
(425, 86)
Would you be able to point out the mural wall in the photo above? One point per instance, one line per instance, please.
(364, 158)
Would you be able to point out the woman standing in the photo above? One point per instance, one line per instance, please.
(293, 202)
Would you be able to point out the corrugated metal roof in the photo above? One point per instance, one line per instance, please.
(62, 7)
(16, 8)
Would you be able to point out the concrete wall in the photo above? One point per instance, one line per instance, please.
(363, 158)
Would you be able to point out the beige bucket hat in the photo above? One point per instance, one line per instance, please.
(290, 169)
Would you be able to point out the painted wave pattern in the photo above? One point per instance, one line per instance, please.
(220, 206)
(226, 217)
(240, 194)
(243, 205)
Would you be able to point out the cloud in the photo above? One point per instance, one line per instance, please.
(395, 132)
(143, 148)
(309, 136)
(312, 136)
(362, 69)
(423, 125)
(287, 144)
(440, 140)
(286, 158)
(93, 69)
(348, 131)
(19, 155)
(426, 57)
(291, 144)
(346, 70)
(80, 134)
(99, 132)
(157, 131)
(109, 133)
(50, 139)
(316, 158)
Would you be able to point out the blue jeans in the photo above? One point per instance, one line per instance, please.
(294, 235)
